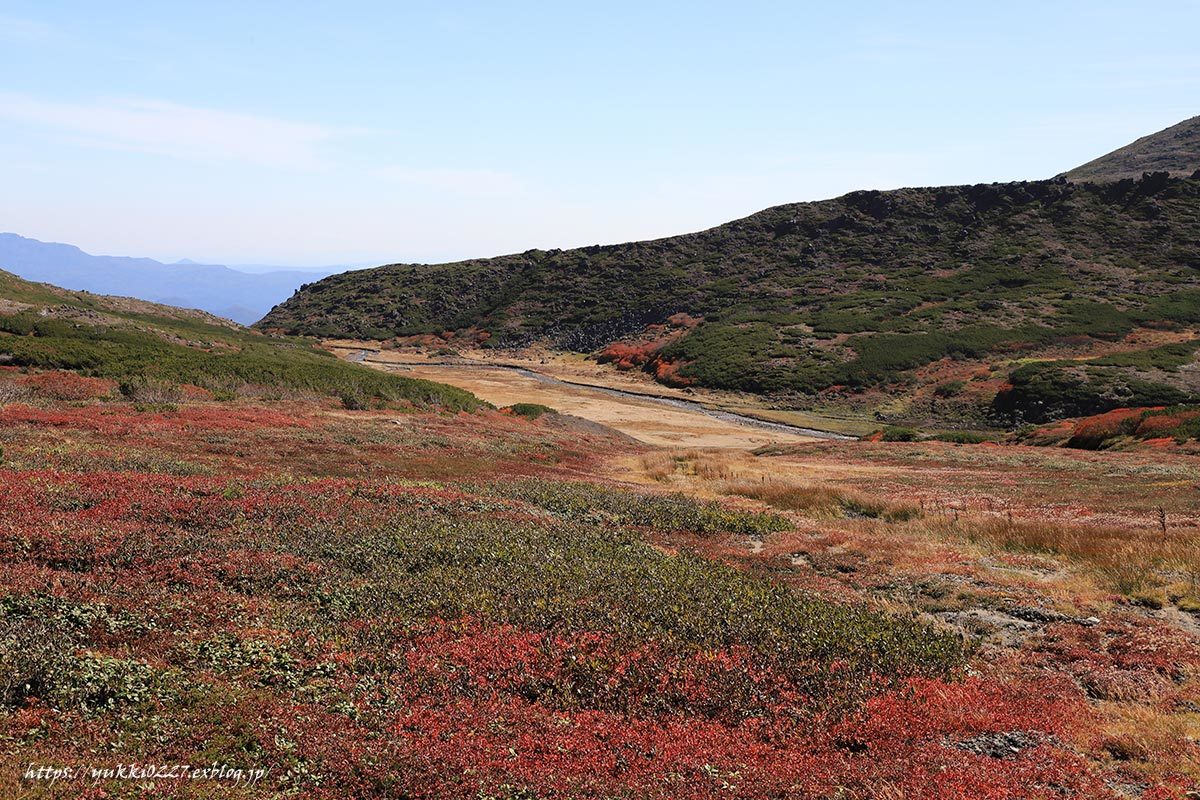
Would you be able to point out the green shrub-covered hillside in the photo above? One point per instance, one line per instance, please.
(858, 291)
(135, 343)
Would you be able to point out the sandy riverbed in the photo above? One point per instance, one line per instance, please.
(646, 419)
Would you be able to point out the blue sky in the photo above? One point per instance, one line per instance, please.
(363, 132)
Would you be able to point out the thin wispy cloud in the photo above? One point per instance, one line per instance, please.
(178, 131)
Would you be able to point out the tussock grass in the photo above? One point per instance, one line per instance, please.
(812, 498)
(1147, 739)
(822, 500)
(663, 466)
(719, 472)
(1131, 561)
(657, 466)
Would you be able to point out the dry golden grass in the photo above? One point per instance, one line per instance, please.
(665, 465)
(1127, 560)
(821, 500)
(1149, 740)
(811, 498)
(723, 473)
(1147, 563)
(658, 466)
(1183, 553)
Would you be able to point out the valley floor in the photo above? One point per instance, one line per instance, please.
(629, 402)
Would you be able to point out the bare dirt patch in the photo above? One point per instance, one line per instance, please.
(646, 420)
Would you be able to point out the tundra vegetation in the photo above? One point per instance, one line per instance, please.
(221, 546)
(442, 603)
(371, 604)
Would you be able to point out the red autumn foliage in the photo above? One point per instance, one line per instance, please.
(194, 394)
(1092, 432)
(668, 372)
(646, 356)
(1162, 425)
(1156, 426)
(625, 355)
(476, 705)
(66, 386)
(123, 420)
(1121, 661)
(156, 567)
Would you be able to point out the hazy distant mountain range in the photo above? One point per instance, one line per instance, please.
(243, 294)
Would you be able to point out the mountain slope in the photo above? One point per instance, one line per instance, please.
(154, 349)
(1175, 150)
(240, 296)
(859, 290)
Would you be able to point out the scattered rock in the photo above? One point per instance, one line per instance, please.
(1007, 744)
(1034, 614)
(1006, 629)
